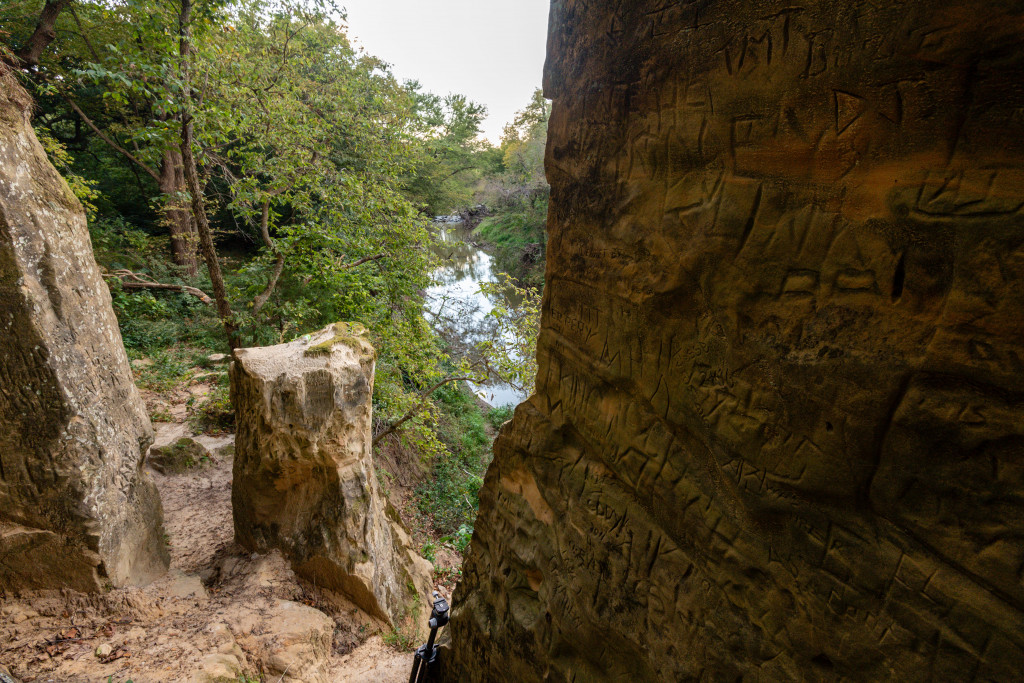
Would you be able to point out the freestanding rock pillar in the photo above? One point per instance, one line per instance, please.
(303, 477)
(778, 432)
(76, 508)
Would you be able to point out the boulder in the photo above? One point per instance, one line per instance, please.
(304, 480)
(219, 668)
(778, 429)
(297, 644)
(76, 508)
(177, 457)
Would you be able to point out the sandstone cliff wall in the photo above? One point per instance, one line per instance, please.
(779, 422)
(76, 508)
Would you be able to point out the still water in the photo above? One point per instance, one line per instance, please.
(457, 304)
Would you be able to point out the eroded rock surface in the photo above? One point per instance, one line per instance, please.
(303, 477)
(76, 509)
(778, 431)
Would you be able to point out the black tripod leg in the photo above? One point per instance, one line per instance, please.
(424, 666)
(416, 661)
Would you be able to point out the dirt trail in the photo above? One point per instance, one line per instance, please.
(219, 612)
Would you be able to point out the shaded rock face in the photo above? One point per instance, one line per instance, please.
(303, 479)
(76, 509)
(778, 430)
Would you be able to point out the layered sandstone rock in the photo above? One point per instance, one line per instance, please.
(778, 431)
(76, 508)
(303, 477)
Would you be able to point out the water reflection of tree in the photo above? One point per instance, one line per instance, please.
(461, 313)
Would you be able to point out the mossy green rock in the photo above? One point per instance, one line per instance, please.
(184, 454)
(352, 335)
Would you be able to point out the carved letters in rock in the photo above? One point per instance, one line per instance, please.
(779, 423)
(76, 507)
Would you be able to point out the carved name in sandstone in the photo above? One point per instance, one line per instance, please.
(303, 477)
(778, 431)
(76, 508)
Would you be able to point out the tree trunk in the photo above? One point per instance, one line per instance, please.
(46, 31)
(202, 222)
(179, 221)
(206, 245)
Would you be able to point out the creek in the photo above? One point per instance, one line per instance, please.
(457, 305)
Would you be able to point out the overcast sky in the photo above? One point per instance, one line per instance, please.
(489, 50)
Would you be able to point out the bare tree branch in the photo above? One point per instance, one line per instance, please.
(365, 259)
(107, 139)
(82, 34)
(424, 397)
(261, 299)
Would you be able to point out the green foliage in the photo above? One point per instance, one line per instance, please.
(215, 415)
(517, 238)
(429, 551)
(83, 188)
(167, 367)
(512, 345)
(518, 194)
(522, 145)
(400, 639)
(447, 574)
(461, 538)
(152, 322)
(450, 497)
(499, 415)
(451, 158)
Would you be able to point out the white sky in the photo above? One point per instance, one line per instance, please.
(492, 51)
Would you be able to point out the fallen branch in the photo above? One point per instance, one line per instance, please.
(130, 280)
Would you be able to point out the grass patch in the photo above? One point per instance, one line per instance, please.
(429, 551)
(499, 415)
(400, 640)
(167, 367)
(517, 238)
(215, 415)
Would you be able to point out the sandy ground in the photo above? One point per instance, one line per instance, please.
(218, 604)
